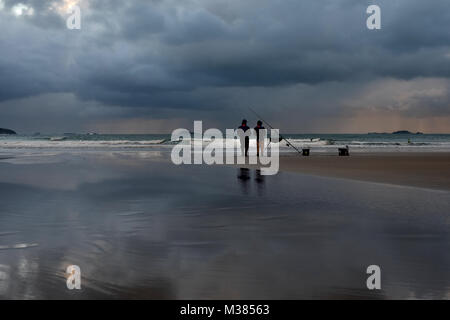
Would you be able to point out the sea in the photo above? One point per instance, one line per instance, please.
(317, 143)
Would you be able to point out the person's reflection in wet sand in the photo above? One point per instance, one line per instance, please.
(260, 182)
(244, 177)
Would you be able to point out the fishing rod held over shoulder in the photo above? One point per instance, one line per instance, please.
(268, 124)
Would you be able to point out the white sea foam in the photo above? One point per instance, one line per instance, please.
(316, 144)
(17, 144)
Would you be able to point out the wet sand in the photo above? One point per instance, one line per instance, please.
(426, 170)
(140, 227)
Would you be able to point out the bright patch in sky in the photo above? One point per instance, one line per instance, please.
(62, 7)
(21, 9)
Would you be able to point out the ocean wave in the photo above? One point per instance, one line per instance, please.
(78, 143)
(133, 142)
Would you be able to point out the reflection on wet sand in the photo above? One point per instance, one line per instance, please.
(145, 229)
(244, 178)
(260, 182)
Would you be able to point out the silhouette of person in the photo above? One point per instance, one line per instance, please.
(259, 139)
(244, 128)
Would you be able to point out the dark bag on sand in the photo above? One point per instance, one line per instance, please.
(343, 152)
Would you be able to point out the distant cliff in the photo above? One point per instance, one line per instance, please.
(6, 131)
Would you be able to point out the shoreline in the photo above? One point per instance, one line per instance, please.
(425, 170)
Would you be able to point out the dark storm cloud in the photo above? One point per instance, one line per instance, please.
(206, 55)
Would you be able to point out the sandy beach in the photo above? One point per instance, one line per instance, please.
(140, 227)
(427, 170)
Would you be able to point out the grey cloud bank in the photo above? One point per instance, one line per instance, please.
(160, 60)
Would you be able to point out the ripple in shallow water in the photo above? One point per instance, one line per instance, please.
(19, 246)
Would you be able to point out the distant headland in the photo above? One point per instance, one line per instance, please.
(6, 131)
(405, 132)
(397, 132)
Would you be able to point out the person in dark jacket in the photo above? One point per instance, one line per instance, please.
(244, 127)
(259, 138)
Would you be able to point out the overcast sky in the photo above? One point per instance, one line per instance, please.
(156, 65)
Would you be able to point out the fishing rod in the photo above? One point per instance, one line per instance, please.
(281, 137)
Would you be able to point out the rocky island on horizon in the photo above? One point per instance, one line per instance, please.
(405, 132)
(397, 132)
(7, 131)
